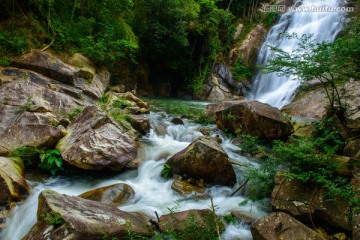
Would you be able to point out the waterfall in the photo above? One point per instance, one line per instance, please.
(324, 25)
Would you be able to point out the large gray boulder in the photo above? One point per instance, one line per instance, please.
(252, 117)
(67, 217)
(282, 226)
(95, 142)
(204, 159)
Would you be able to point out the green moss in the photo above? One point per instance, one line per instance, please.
(53, 218)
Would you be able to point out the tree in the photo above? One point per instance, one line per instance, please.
(332, 64)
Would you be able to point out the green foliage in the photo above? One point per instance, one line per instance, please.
(241, 72)
(230, 219)
(121, 104)
(104, 99)
(248, 143)
(27, 153)
(166, 172)
(203, 119)
(27, 105)
(119, 116)
(51, 161)
(48, 160)
(73, 113)
(4, 62)
(270, 18)
(53, 218)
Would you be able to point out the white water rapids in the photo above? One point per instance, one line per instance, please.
(325, 26)
(153, 193)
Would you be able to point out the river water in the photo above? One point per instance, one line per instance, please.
(153, 193)
(324, 25)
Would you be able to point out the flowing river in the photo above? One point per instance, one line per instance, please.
(324, 25)
(153, 193)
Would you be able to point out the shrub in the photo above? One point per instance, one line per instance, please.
(51, 161)
(53, 218)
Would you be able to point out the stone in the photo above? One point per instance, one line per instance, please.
(184, 188)
(140, 124)
(79, 218)
(244, 217)
(282, 226)
(254, 118)
(95, 142)
(13, 186)
(48, 65)
(23, 128)
(132, 98)
(302, 200)
(177, 121)
(174, 222)
(116, 194)
(87, 69)
(204, 159)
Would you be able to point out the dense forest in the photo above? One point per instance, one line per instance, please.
(177, 40)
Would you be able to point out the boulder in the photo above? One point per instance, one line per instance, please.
(140, 124)
(33, 92)
(177, 121)
(244, 217)
(355, 182)
(204, 159)
(183, 188)
(177, 222)
(48, 65)
(254, 118)
(352, 149)
(13, 186)
(309, 202)
(313, 104)
(22, 128)
(95, 142)
(67, 217)
(116, 194)
(280, 225)
(132, 98)
(87, 69)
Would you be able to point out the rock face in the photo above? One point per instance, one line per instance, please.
(247, 48)
(67, 217)
(204, 159)
(254, 118)
(183, 187)
(313, 104)
(282, 226)
(116, 194)
(94, 142)
(301, 199)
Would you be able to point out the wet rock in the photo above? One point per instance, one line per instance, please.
(282, 226)
(184, 188)
(22, 128)
(133, 110)
(204, 159)
(204, 131)
(87, 69)
(243, 217)
(160, 129)
(94, 142)
(301, 200)
(352, 149)
(140, 124)
(116, 194)
(175, 222)
(254, 118)
(13, 186)
(67, 217)
(177, 121)
(219, 92)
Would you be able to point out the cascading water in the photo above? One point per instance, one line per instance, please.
(153, 193)
(325, 26)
